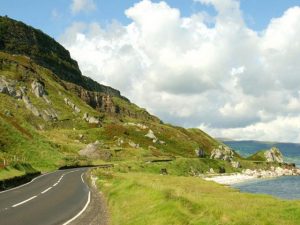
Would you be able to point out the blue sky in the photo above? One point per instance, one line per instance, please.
(55, 15)
(228, 67)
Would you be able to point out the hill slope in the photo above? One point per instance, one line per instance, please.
(49, 111)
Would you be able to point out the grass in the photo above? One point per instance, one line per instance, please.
(15, 170)
(144, 198)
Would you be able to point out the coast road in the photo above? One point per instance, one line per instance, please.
(55, 198)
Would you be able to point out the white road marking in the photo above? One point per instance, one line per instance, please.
(82, 177)
(43, 192)
(27, 200)
(28, 182)
(84, 208)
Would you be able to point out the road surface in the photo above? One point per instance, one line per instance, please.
(55, 198)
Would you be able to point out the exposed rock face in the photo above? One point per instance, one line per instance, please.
(38, 88)
(235, 164)
(104, 102)
(98, 100)
(139, 125)
(274, 155)
(7, 87)
(151, 135)
(200, 153)
(72, 105)
(31, 107)
(49, 115)
(90, 119)
(93, 151)
(222, 153)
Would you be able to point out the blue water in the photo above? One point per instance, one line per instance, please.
(287, 187)
(290, 151)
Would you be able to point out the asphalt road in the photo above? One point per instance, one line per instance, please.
(54, 198)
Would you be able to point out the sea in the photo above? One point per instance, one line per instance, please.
(287, 187)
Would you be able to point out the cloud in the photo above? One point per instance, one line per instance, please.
(82, 5)
(202, 71)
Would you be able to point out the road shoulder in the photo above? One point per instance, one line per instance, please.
(96, 213)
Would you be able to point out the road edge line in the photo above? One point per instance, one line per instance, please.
(11, 189)
(84, 208)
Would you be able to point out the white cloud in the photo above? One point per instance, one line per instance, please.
(235, 81)
(82, 5)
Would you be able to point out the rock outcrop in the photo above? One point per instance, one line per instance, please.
(235, 164)
(49, 115)
(200, 152)
(95, 151)
(30, 106)
(152, 136)
(273, 155)
(91, 150)
(98, 100)
(7, 87)
(138, 125)
(105, 103)
(90, 119)
(39, 90)
(222, 153)
(72, 105)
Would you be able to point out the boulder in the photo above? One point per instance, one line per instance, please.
(94, 151)
(273, 155)
(200, 152)
(133, 145)
(222, 153)
(91, 150)
(151, 135)
(92, 119)
(235, 164)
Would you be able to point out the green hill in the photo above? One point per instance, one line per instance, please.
(49, 111)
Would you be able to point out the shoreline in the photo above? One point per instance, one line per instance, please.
(248, 175)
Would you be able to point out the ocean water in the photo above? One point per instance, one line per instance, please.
(290, 151)
(287, 187)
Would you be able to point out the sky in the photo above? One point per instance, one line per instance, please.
(228, 67)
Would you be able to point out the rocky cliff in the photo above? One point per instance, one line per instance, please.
(19, 38)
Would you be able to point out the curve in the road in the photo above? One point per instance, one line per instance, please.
(55, 198)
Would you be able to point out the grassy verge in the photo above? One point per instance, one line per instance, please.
(144, 198)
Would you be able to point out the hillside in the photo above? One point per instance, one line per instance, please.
(51, 116)
(18, 38)
(49, 111)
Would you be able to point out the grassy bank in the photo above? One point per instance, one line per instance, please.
(144, 198)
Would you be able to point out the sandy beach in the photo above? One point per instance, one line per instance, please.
(231, 178)
(248, 174)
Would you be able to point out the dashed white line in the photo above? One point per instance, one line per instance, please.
(43, 192)
(21, 203)
(84, 208)
(82, 177)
